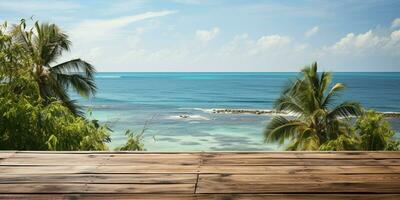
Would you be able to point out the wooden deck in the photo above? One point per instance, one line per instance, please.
(200, 176)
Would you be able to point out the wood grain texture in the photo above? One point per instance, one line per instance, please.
(199, 175)
(301, 162)
(99, 178)
(245, 169)
(217, 183)
(202, 196)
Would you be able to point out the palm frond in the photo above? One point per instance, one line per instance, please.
(75, 66)
(310, 143)
(81, 84)
(289, 104)
(280, 128)
(59, 92)
(325, 80)
(50, 41)
(74, 107)
(345, 110)
(22, 37)
(332, 94)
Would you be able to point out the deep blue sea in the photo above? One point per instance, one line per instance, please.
(128, 100)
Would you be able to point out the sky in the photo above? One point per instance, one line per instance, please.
(223, 35)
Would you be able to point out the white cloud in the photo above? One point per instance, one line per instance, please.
(352, 41)
(42, 5)
(117, 45)
(98, 40)
(270, 41)
(312, 31)
(395, 36)
(355, 49)
(207, 35)
(396, 23)
(267, 53)
(361, 43)
(106, 29)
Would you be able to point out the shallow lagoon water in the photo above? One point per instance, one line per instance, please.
(128, 100)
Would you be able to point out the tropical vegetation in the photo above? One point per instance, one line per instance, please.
(45, 44)
(36, 112)
(134, 142)
(318, 122)
(375, 132)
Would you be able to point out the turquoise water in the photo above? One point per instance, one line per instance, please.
(128, 100)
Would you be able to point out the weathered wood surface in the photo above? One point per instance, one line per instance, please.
(200, 175)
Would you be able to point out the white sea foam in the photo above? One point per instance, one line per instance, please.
(394, 113)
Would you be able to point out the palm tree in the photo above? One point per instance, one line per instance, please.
(316, 119)
(46, 43)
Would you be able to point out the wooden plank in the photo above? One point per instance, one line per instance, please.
(266, 154)
(241, 169)
(99, 178)
(6, 154)
(300, 161)
(297, 178)
(87, 175)
(288, 188)
(298, 196)
(97, 155)
(66, 188)
(302, 154)
(100, 196)
(110, 152)
(103, 159)
(203, 196)
(215, 183)
(187, 159)
(93, 169)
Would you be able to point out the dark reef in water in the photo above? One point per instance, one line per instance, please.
(391, 114)
(246, 111)
(274, 112)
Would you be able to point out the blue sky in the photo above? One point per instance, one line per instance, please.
(231, 35)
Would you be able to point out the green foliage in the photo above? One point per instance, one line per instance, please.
(371, 132)
(317, 119)
(26, 124)
(319, 124)
(134, 142)
(345, 142)
(375, 132)
(44, 44)
(29, 121)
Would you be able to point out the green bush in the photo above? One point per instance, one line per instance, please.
(28, 121)
(134, 142)
(371, 132)
(375, 132)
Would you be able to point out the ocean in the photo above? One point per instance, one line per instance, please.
(176, 108)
